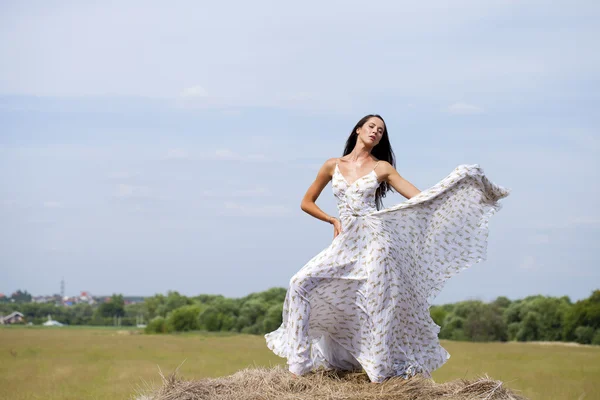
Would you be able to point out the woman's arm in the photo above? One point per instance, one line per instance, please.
(308, 204)
(402, 186)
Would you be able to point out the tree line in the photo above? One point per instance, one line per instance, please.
(534, 318)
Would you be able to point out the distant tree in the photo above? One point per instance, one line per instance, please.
(514, 312)
(153, 305)
(253, 309)
(552, 312)
(81, 314)
(21, 296)
(211, 319)
(242, 322)
(452, 328)
(502, 302)
(273, 318)
(438, 314)
(161, 305)
(474, 320)
(175, 300)
(185, 318)
(208, 298)
(532, 318)
(114, 307)
(272, 295)
(512, 330)
(585, 312)
(484, 323)
(584, 334)
(7, 308)
(596, 338)
(530, 327)
(158, 325)
(137, 309)
(546, 322)
(228, 323)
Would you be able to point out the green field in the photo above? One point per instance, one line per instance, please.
(107, 363)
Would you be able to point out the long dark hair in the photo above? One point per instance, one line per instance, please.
(382, 151)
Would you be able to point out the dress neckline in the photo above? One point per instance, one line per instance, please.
(364, 176)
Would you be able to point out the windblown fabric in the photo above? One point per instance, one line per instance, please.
(363, 302)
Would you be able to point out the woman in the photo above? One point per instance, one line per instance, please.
(363, 302)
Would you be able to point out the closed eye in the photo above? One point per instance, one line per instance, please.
(379, 129)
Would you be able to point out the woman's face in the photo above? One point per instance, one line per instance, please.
(371, 132)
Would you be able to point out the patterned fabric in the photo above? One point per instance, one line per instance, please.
(363, 302)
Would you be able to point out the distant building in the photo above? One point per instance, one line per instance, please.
(86, 297)
(51, 322)
(45, 299)
(12, 318)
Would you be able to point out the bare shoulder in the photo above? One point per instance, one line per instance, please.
(385, 169)
(385, 166)
(329, 165)
(331, 161)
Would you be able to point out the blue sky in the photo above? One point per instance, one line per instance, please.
(146, 147)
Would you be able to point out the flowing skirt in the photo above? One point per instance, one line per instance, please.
(363, 302)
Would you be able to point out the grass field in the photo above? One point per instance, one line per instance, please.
(107, 363)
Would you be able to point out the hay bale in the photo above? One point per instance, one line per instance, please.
(260, 383)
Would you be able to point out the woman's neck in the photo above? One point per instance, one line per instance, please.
(359, 153)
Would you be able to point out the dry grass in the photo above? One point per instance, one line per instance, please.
(262, 383)
(106, 363)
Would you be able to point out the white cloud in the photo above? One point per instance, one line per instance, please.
(463, 109)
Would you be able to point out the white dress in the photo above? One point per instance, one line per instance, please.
(363, 302)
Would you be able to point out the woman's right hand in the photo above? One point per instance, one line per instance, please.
(337, 226)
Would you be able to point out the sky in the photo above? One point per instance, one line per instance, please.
(148, 147)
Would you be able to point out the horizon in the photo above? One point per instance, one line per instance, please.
(125, 295)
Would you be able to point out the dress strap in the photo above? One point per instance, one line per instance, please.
(376, 165)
